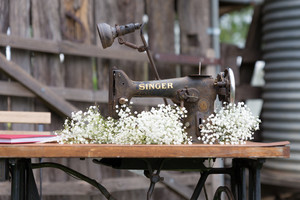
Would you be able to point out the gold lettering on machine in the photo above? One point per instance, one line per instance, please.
(155, 86)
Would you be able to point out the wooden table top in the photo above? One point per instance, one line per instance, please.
(54, 150)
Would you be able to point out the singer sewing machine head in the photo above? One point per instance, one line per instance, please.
(197, 93)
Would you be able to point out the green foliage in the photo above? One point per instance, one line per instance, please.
(234, 26)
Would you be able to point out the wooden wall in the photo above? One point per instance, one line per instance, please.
(42, 32)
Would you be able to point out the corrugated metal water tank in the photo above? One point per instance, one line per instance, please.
(281, 52)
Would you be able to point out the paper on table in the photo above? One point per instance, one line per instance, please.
(14, 139)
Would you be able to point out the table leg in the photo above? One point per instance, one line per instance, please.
(254, 179)
(23, 186)
(242, 187)
(18, 179)
(3, 169)
(254, 186)
(200, 185)
(238, 179)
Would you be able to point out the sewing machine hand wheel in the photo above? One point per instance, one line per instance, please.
(226, 83)
(230, 74)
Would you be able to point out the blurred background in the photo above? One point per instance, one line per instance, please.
(56, 42)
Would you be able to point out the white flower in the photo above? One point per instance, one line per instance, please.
(233, 124)
(161, 125)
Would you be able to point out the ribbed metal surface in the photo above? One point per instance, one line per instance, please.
(281, 108)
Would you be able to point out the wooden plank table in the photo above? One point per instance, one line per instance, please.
(53, 150)
(249, 156)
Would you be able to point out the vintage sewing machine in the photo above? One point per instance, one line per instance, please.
(197, 93)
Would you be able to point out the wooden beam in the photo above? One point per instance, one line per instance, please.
(84, 95)
(244, 92)
(25, 117)
(71, 94)
(69, 48)
(50, 98)
(185, 59)
(250, 55)
(229, 8)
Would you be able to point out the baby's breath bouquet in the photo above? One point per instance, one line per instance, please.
(161, 125)
(233, 124)
(87, 127)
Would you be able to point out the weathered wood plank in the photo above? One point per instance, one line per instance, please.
(249, 150)
(4, 22)
(55, 102)
(14, 89)
(78, 70)
(184, 59)
(160, 29)
(4, 19)
(128, 12)
(72, 94)
(46, 68)
(106, 14)
(194, 22)
(89, 50)
(69, 48)
(25, 117)
(84, 95)
(19, 23)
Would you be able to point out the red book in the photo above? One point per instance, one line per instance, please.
(15, 139)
